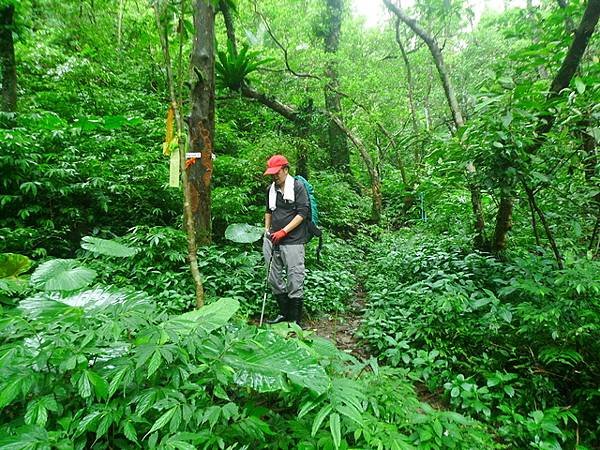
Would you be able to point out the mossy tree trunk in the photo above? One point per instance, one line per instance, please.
(202, 118)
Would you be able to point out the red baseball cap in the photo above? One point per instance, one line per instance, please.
(275, 163)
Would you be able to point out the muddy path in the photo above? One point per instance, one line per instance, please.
(341, 328)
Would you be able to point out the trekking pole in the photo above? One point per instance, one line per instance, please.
(262, 311)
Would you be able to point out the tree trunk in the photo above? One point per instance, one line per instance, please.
(338, 144)
(229, 28)
(503, 223)
(549, 235)
(427, 102)
(303, 131)
(7, 59)
(594, 242)
(400, 158)
(410, 82)
(505, 209)
(371, 169)
(480, 240)
(411, 104)
(187, 209)
(302, 160)
(534, 223)
(202, 118)
(377, 197)
(438, 59)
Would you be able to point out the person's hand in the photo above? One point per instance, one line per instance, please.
(278, 236)
(267, 234)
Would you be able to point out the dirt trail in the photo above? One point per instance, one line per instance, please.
(342, 328)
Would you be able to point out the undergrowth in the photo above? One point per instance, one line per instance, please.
(514, 344)
(88, 365)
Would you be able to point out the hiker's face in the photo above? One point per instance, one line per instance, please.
(279, 177)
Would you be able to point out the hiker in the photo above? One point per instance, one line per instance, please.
(286, 232)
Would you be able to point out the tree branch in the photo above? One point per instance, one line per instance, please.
(409, 79)
(282, 47)
(286, 111)
(358, 143)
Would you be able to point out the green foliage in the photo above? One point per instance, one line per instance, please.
(12, 266)
(83, 189)
(105, 367)
(341, 208)
(238, 193)
(507, 341)
(238, 272)
(511, 342)
(212, 316)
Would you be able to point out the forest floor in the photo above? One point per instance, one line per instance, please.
(342, 328)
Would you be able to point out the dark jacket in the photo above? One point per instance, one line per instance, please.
(286, 211)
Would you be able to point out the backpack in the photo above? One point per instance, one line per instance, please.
(313, 214)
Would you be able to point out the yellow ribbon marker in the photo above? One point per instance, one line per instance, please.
(169, 131)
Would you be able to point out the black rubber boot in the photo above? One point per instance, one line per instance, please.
(284, 309)
(296, 305)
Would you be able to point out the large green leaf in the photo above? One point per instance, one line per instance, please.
(334, 426)
(209, 318)
(26, 437)
(326, 348)
(107, 247)
(13, 264)
(266, 362)
(40, 306)
(90, 302)
(62, 275)
(243, 233)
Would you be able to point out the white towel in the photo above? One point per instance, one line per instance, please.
(288, 193)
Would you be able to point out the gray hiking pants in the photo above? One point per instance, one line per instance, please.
(291, 259)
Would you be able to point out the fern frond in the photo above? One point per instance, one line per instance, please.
(565, 356)
(232, 68)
